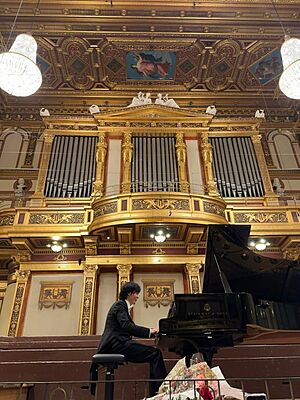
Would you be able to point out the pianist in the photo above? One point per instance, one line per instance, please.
(117, 336)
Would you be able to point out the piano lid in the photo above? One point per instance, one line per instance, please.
(230, 263)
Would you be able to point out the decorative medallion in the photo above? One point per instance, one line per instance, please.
(158, 292)
(55, 294)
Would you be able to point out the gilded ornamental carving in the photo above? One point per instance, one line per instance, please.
(158, 292)
(292, 254)
(16, 309)
(213, 208)
(90, 269)
(22, 275)
(160, 204)
(22, 279)
(261, 217)
(7, 219)
(127, 150)
(181, 159)
(87, 305)
(88, 299)
(75, 218)
(207, 156)
(124, 271)
(55, 294)
(101, 152)
(105, 209)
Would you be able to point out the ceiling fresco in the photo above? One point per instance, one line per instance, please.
(223, 53)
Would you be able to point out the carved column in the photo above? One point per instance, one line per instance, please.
(127, 150)
(21, 284)
(101, 152)
(39, 191)
(271, 197)
(207, 156)
(193, 275)
(181, 159)
(88, 299)
(123, 274)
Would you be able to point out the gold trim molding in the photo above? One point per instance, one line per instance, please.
(21, 284)
(88, 299)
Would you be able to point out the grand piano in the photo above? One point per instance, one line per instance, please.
(241, 289)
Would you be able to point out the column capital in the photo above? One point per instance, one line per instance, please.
(48, 137)
(124, 268)
(256, 139)
(193, 276)
(292, 254)
(23, 275)
(193, 268)
(90, 269)
(123, 274)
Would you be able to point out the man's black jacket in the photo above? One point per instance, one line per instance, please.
(119, 329)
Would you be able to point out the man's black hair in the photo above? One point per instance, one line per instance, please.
(129, 287)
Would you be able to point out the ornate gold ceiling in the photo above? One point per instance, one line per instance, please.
(226, 53)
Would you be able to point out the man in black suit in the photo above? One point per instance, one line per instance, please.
(119, 329)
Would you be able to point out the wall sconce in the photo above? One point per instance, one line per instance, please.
(56, 246)
(260, 244)
(160, 236)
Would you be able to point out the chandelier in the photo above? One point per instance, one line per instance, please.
(56, 246)
(289, 82)
(160, 236)
(260, 245)
(19, 74)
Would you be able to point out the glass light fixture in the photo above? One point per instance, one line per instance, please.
(19, 74)
(56, 246)
(289, 82)
(160, 236)
(260, 245)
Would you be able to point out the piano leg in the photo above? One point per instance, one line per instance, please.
(208, 355)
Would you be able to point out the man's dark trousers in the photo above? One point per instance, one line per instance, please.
(140, 353)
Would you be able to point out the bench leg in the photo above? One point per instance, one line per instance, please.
(109, 384)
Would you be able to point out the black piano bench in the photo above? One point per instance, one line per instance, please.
(110, 362)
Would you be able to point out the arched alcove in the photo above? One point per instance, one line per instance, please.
(284, 149)
(12, 148)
